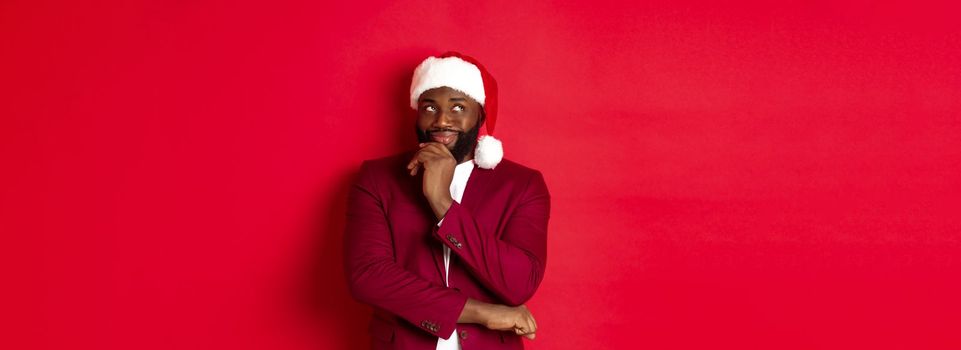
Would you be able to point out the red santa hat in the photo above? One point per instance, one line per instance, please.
(464, 74)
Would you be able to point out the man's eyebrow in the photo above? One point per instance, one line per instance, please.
(458, 99)
(427, 100)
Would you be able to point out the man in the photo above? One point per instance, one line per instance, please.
(447, 242)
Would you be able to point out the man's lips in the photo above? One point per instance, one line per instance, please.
(445, 137)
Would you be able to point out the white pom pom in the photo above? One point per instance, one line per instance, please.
(489, 152)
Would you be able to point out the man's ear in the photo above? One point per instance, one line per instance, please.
(481, 117)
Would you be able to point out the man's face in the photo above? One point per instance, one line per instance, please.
(449, 117)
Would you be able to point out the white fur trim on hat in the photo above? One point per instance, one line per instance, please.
(451, 72)
(489, 152)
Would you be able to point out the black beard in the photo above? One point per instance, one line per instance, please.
(466, 141)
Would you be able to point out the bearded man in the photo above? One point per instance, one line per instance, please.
(447, 242)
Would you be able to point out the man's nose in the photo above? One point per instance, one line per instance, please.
(442, 120)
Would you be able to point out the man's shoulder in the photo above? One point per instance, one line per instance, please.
(387, 169)
(511, 174)
(512, 168)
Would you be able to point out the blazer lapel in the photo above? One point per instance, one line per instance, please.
(475, 191)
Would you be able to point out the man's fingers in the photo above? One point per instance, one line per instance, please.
(415, 163)
(441, 149)
(524, 323)
(534, 321)
(529, 319)
(529, 334)
(413, 166)
(436, 148)
(427, 152)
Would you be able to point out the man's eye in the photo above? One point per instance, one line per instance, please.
(458, 108)
(430, 109)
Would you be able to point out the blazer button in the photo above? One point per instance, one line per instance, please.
(463, 334)
(454, 241)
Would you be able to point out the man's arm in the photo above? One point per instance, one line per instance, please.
(515, 319)
(513, 265)
(375, 279)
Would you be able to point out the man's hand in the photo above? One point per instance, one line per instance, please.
(517, 319)
(500, 317)
(438, 164)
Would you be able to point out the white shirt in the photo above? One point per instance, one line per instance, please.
(457, 186)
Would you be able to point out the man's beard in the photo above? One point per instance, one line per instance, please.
(466, 141)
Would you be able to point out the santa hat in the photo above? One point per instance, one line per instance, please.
(464, 74)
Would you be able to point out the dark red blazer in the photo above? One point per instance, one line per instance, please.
(394, 260)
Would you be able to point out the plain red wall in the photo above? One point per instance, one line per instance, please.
(723, 176)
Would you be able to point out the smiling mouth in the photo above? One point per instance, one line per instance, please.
(444, 137)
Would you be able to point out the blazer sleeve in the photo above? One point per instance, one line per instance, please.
(511, 266)
(374, 277)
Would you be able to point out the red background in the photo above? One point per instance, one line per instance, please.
(723, 176)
